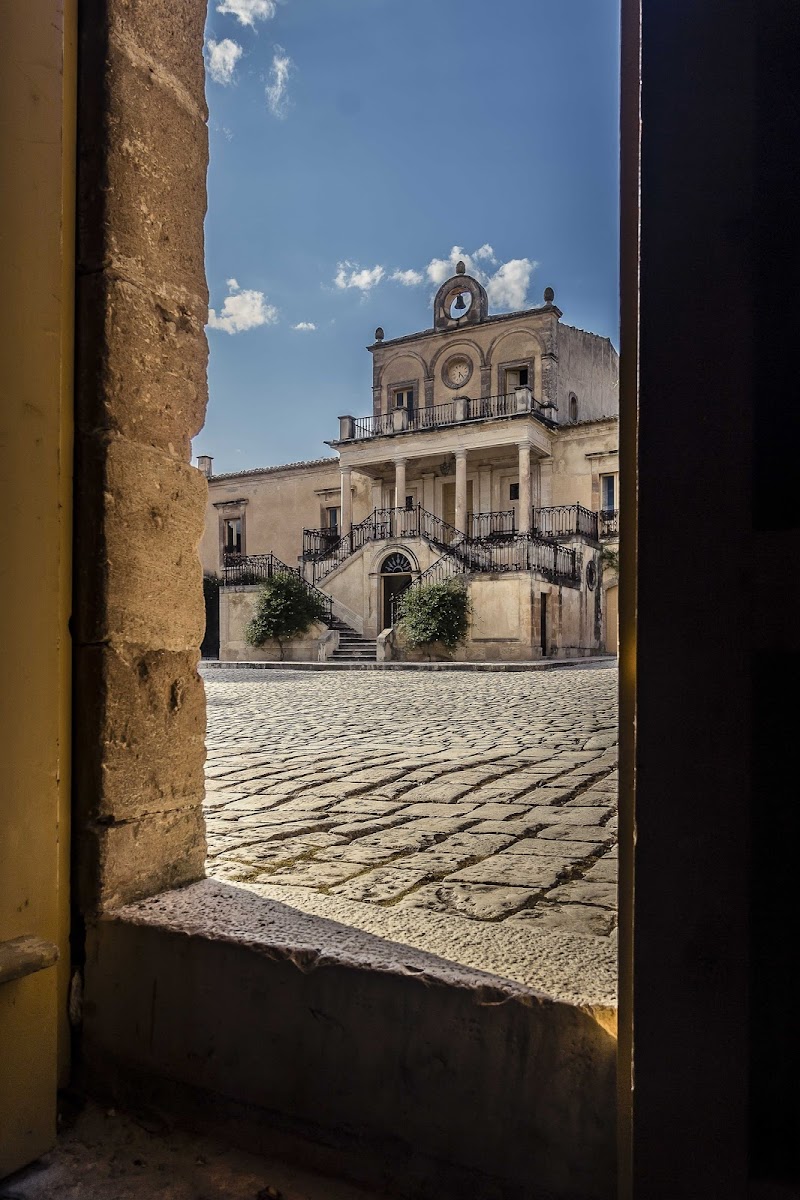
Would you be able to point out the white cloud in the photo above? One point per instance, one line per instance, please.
(243, 309)
(506, 282)
(408, 278)
(350, 275)
(277, 88)
(222, 59)
(304, 326)
(508, 287)
(249, 11)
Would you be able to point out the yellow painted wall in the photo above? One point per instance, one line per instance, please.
(37, 169)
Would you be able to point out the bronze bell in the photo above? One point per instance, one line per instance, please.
(460, 301)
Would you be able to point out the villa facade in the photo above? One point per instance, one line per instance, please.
(491, 453)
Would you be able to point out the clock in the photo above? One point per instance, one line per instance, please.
(457, 371)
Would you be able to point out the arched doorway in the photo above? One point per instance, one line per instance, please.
(396, 572)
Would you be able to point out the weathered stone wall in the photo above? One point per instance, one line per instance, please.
(505, 622)
(588, 368)
(141, 396)
(581, 454)
(278, 505)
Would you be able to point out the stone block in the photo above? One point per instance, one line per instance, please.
(150, 152)
(170, 33)
(141, 718)
(572, 851)
(138, 575)
(513, 870)
(602, 895)
(576, 833)
(604, 871)
(142, 364)
(381, 885)
(582, 919)
(121, 863)
(480, 902)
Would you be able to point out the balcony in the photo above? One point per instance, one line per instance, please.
(439, 416)
(609, 522)
(481, 544)
(565, 520)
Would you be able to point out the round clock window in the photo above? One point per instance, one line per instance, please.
(457, 371)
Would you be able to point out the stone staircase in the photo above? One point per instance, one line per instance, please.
(352, 646)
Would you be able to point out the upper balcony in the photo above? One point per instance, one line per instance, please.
(457, 411)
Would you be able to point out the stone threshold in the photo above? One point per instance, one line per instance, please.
(529, 665)
(417, 1074)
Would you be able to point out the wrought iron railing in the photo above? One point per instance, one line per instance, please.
(609, 522)
(241, 569)
(452, 412)
(474, 550)
(366, 427)
(505, 405)
(564, 520)
(317, 542)
(493, 524)
(524, 552)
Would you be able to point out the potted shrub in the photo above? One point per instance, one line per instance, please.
(285, 608)
(432, 613)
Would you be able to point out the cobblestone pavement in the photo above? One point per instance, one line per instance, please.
(490, 796)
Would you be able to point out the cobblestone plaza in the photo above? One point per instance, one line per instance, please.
(486, 798)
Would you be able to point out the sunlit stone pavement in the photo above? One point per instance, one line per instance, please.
(489, 797)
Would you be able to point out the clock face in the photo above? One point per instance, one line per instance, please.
(457, 372)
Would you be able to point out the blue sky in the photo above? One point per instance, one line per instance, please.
(354, 143)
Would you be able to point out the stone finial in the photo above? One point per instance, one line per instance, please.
(549, 295)
(460, 268)
(205, 464)
(379, 334)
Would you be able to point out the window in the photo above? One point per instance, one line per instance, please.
(232, 535)
(513, 491)
(608, 493)
(332, 519)
(516, 377)
(404, 398)
(573, 409)
(409, 503)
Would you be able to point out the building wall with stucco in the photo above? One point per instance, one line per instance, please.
(477, 425)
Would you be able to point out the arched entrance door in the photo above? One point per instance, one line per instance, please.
(395, 578)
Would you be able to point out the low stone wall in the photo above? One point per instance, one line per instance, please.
(237, 608)
(505, 625)
(400, 1069)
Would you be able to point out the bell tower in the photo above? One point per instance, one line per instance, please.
(460, 301)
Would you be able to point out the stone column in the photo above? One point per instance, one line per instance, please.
(400, 483)
(346, 501)
(545, 482)
(536, 484)
(428, 490)
(485, 489)
(524, 487)
(461, 490)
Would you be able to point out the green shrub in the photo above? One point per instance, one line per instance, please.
(286, 608)
(435, 612)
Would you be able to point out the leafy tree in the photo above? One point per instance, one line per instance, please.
(286, 608)
(435, 612)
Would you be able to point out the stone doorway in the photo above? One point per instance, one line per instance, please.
(396, 575)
